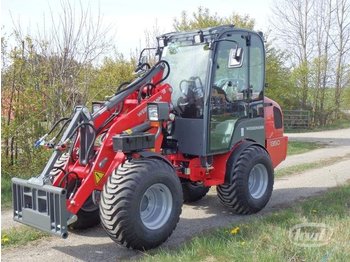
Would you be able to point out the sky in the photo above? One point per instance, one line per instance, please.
(129, 18)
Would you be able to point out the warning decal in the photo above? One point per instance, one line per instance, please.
(98, 176)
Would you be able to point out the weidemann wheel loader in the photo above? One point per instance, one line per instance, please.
(197, 118)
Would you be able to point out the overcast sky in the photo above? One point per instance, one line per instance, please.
(130, 18)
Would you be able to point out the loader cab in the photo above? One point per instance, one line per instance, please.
(218, 77)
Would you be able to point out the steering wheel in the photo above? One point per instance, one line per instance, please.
(233, 106)
(231, 87)
(192, 97)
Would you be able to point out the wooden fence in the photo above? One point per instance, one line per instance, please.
(297, 119)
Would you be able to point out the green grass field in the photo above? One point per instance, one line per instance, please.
(296, 147)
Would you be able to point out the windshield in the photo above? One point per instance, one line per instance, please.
(188, 72)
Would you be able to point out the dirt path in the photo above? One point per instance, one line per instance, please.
(316, 155)
(338, 137)
(94, 245)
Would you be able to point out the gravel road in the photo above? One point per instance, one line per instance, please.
(94, 245)
(331, 137)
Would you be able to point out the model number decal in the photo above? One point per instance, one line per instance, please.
(274, 143)
(142, 111)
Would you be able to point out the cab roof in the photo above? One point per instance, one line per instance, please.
(211, 33)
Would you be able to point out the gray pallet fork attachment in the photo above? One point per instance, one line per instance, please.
(42, 207)
(38, 204)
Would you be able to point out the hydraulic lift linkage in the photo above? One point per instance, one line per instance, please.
(36, 202)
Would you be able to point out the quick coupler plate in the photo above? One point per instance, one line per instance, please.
(40, 206)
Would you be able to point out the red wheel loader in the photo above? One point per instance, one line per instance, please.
(197, 118)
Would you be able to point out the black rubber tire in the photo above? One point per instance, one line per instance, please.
(121, 202)
(236, 195)
(88, 216)
(193, 191)
(60, 163)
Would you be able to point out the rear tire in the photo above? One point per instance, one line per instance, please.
(193, 191)
(141, 203)
(252, 182)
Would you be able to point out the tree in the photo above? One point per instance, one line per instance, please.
(111, 74)
(203, 19)
(316, 34)
(323, 12)
(45, 75)
(342, 45)
(291, 21)
(278, 76)
(74, 41)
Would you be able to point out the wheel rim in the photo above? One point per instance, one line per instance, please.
(155, 206)
(258, 180)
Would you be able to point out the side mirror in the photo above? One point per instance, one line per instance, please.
(239, 53)
(147, 57)
(235, 57)
(143, 63)
(143, 60)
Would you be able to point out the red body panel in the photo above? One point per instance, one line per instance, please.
(275, 142)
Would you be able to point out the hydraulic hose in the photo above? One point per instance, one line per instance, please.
(135, 85)
(132, 87)
(93, 140)
(56, 124)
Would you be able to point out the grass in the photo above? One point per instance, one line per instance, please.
(296, 147)
(6, 193)
(291, 170)
(25, 173)
(6, 190)
(268, 239)
(19, 236)
(22, 168)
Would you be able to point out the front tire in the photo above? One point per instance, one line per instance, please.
(141, 203)
(252, 182)
(88, 216)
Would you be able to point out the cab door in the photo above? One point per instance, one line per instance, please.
(236, 92)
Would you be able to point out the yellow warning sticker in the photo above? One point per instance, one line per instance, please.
(128, 131)
(98, 176)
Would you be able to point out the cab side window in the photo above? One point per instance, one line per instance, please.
(256, 68)
(229, 80)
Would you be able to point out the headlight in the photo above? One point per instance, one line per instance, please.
(152, 111)
(158, 111)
